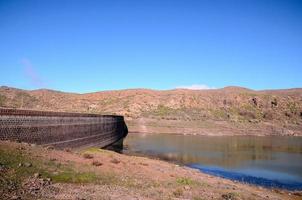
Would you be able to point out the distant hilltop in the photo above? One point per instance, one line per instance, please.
(230, 104)
(225, 103)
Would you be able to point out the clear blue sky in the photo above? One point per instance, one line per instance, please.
(84, 46)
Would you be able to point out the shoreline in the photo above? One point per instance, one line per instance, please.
(119, 176)
(222, 172)
(177, 163)
(212, 127)
(213, 135)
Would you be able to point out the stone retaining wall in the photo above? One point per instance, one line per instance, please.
(61, 129)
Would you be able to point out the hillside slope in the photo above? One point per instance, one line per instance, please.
(230, 110)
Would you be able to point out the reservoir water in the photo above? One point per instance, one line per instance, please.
(266, 161)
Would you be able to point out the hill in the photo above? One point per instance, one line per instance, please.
(226, 111)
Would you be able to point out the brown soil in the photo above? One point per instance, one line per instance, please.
(118, 177)
(211, 127)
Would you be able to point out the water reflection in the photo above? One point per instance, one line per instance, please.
(117, 146)
(269, 158)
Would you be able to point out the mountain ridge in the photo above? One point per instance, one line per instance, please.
(231, 87)
(280, 110)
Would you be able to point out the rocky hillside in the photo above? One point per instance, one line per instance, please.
(230, 105)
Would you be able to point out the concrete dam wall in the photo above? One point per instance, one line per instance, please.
(61, 129)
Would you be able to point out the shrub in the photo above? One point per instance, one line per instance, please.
(88, 156)
(178, 192)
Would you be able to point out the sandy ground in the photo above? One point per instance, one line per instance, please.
(212, 127)
(126, 177)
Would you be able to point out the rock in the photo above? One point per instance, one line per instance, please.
(36, 175)
(187, 187)
(288, 114)
(274, 103)
(97, 163)
(145, 164)
(3, 168)
(298, 194)
(88, 156)
(33, 185)
(278, 191)
(49, 147)
(15, 197)
(228, 196)
(27, 164)
(80, 198)
(255, 101)
(288, 132)
(268, 115)
(253, 121)
(115, 161)
(21, 148)
(224, 102)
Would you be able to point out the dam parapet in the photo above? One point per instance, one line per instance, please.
(61, 129)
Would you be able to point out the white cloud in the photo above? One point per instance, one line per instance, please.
(196, 87)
